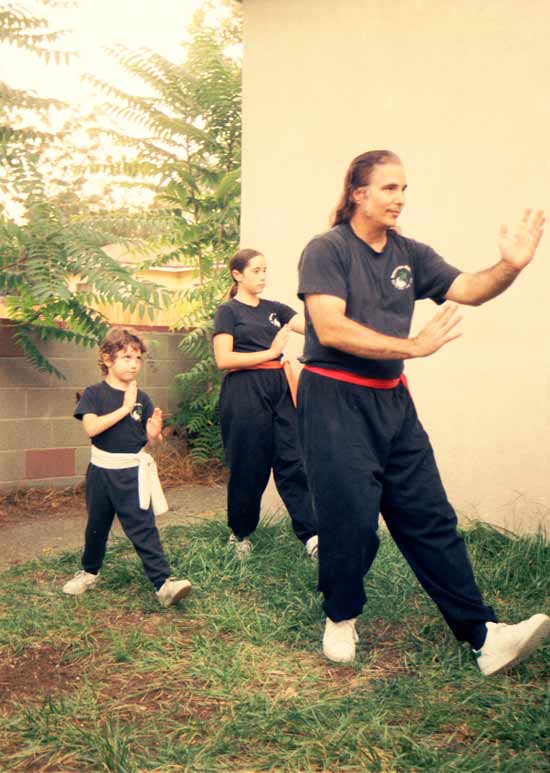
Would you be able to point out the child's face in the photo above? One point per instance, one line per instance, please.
(125, 364)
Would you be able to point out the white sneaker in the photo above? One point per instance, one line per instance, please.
(242, 547)
(312, 547)
(80, 583)
(339, 640)
(507, 645)
(173, 591)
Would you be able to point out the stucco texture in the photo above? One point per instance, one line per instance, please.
(459, 91)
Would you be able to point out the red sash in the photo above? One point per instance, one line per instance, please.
(352, 378)
(278, 364)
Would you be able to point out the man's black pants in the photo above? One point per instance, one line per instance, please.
(116, 491)
(367, 453)
(260, 433)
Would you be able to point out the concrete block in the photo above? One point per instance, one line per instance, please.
(82, 459)
(78, 373)
(163, 346)
(13, 403)
(9, 486)
(51, 402)
(165, 397)
(26, 433)
(163, 374)
(50, 463)
(8, 346)
(67, 433)
(18, 372)
(159, 396)
(12, 465)
(66, 350)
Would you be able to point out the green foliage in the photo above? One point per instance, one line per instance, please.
(190, 151)
(199, 387)
(53, 271)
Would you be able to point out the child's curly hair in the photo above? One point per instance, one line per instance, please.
(117, 339)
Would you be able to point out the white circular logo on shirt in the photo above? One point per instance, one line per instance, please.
(401, 277)
(273, 319)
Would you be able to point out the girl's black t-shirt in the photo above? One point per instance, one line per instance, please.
(253, 327)
(127, 436)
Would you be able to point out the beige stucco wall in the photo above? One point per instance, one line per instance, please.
(460, 91)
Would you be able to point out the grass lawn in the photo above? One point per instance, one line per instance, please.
(233, 679)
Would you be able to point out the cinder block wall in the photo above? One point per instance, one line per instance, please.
(41, 444)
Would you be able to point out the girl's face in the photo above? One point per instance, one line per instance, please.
(252, 279)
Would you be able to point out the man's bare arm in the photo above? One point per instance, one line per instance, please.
(517, 249)
(336, 330)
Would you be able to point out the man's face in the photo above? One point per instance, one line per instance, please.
(383, 198)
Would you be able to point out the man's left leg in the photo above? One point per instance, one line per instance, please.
(424, 526)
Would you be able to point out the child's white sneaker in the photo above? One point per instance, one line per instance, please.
(242, 547)
(80, 583)
(507, 645)
(312, 547)
(339, 640)
(173, 591)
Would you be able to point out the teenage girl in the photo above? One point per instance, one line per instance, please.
(258, 416)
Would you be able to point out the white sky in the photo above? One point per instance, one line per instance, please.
(156, 24)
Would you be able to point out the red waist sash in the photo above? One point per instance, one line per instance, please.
(352, 378)
(278, 365)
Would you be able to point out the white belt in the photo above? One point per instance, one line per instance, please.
(149, 487)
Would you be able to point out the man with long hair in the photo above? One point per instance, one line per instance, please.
(365, 449)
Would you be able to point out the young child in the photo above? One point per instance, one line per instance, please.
(121, 478)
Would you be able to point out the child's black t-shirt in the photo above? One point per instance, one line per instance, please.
(127, 436)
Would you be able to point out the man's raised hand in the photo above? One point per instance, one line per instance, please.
(439, 331)
(518, 246)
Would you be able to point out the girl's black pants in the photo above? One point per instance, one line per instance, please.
(260, 433)
(116, 491)
(367, 453)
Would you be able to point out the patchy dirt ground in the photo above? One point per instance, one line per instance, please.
(31, 527)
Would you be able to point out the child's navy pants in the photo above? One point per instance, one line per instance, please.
(116, 491)
(260, 433)
(366, 453)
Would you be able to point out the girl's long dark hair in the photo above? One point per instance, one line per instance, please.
(358, 174)
(239, 262)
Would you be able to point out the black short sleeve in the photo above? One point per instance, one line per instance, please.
(432, 275)
(224, 320)
(284, 312)
(323, 269)
(88, 402)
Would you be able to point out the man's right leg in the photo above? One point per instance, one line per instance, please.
(343, 474)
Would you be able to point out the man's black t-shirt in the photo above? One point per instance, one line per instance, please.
(253, 327)
(379, 288)
(128, 436)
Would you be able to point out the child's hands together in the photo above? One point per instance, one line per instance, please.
(130, 396)
(154, 426)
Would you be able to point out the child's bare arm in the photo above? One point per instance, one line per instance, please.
(154, 427)
(95, 425)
